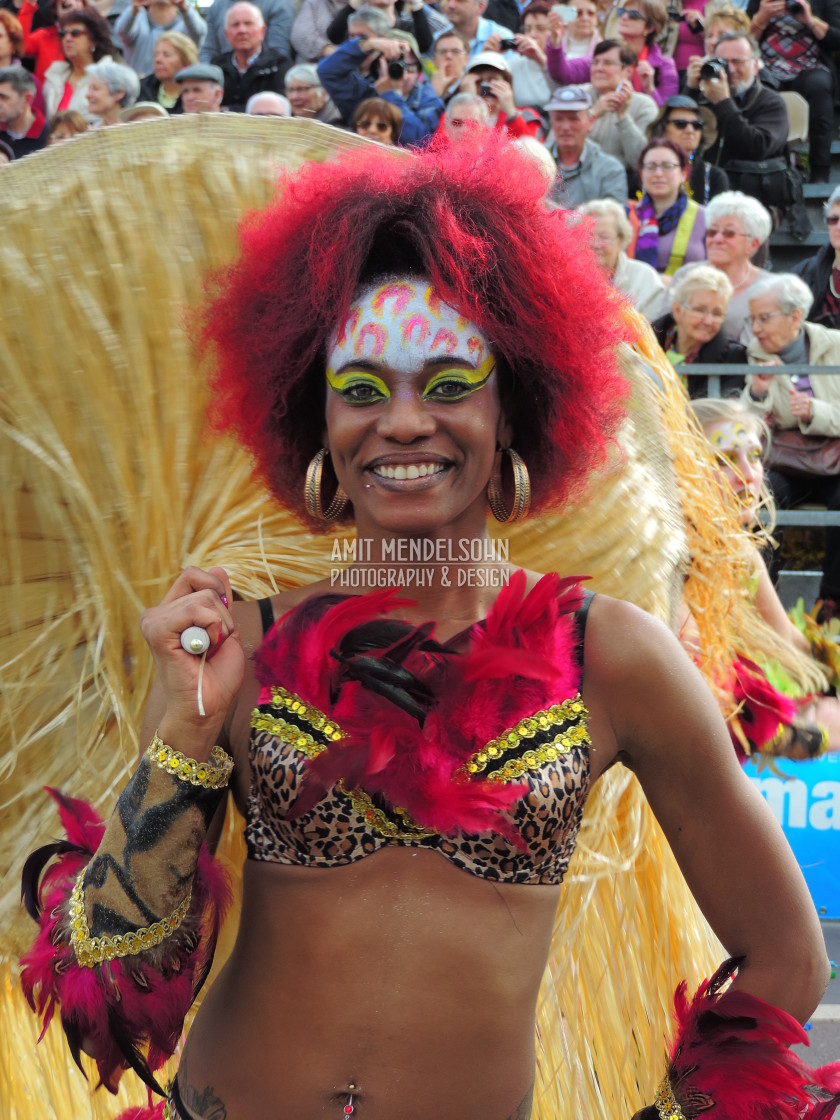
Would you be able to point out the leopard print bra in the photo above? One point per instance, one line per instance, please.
(543, 755)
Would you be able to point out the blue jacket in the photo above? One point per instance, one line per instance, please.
(348, 87)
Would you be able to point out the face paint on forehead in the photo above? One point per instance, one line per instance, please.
(403, 323)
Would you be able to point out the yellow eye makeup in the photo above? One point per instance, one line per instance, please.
(358, 386)
(455, 384)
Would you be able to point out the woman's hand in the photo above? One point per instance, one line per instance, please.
(801, 405)
(197, 598)
(556, 29)
(530, 48)
(692, 74)
(503, 93)
(760, 384)
(647, 76)
(494, 43)
(767, 10)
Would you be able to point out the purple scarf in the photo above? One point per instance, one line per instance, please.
(651, 227)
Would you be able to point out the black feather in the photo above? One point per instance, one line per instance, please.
(30, 878)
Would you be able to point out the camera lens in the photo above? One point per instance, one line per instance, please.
(395, 70)
(712, 69)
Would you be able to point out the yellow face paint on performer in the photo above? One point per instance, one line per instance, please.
(741, 459)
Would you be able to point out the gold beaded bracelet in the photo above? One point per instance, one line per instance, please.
(665, 1102)
(212, 774)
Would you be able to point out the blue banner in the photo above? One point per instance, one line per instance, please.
(806, 803)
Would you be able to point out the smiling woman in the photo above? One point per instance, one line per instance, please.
(400, 343)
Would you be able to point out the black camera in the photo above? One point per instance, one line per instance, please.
(794, 7)
(396, 69)
(484, 89)
(674, 14)
(507, 44)
(714, 68)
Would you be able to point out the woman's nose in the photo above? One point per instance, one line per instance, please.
(406, 417)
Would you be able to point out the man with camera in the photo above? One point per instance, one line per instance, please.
(752, 120)
(381, 62)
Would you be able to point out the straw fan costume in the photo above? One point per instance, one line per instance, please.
(87, 550)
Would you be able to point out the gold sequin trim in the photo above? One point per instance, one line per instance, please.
(407, 829)
(572, 711)
(291, 732)
(212, 774)
(91, 951)
(665, 1102)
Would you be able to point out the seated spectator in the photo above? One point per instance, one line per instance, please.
(582, 36)
(822, 271)
(449, 57)
(489, 76)
(531, 83)
(173, 52)
(250, 66)
(465, 112)
(721, 20)
(277, 17)
(362, 68)
(810, 406)
(42, 44)
(22, 126)
(607, 18)
(85, 38)
(752, 121)
(586, 173)
(537, 153)
(413, 18)
(307, 96)
(113, 87)
(66, 125)
(797, 42)
(141, 24)
(609, 236)
(692, 334)
(202, 88)
(736, 227)
(11, 50)
(671, 226)
(467, 17)
(377, 119)
(309, 28)
(685, 36)
(143, 111)
(620, 116)
(268, 105)
(692, 127)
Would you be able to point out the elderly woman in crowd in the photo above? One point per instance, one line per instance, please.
(822, 271)
(693, 128)
(307, 96)
(610, 234)
(377, 119)
(737, 225)
(112, 88)
(671, 226)
(806, 406)
(797, 41)
(582, 35)
(465, 112)
(173, 52)
(86, 38)
(141, 24)
(693, 331)
(42, 44)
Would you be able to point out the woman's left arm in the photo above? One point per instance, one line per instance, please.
(664, 724)
(823, 19)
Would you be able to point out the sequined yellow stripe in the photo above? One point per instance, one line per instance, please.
(666, 1104)
(381, 822)
(572, 710)
(91, 951)
(292, 733)
(287, 733)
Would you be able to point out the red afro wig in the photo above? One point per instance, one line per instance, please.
(473, 219)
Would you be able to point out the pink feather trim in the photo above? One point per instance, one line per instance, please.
(145, 997)
(527, 642)
(762, 709)
(731, 1059)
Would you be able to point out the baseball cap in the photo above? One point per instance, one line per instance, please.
(570, 98)
(201, 72)
(490, 58)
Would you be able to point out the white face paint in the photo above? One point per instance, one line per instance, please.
(403, 324)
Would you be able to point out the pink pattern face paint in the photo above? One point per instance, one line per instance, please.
(403, 323)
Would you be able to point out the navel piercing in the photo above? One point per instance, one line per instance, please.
(350, 1108)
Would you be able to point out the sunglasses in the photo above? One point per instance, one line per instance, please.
(832, 219)
(682, 124)
(727, 234)
(72, 33)
(380, 126)
(631, 13)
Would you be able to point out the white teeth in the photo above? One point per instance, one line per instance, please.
(412, 470)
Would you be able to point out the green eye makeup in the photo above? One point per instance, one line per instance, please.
(358, 387)
(455, 384)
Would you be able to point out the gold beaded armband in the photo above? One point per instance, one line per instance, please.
(213, 774)
(665, 1102)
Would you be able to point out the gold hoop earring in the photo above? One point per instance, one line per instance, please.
(521, 488)
(312, 492)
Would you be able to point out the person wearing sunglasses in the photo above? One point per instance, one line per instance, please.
(822, 271)
(736, 228)
(377, 119)
(85, 39)
(692, 127)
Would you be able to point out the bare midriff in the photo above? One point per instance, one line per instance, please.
(399, 974)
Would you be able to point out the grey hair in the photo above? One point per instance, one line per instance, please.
(19, 79)
(731, 36)
(748, 210)
(792, 293)
(469, 99)
(277, 100)
(695, 277)
(244, 4)
(609, 208)
(832, 198)
(118, 78)
(374, 18)
(306, 73)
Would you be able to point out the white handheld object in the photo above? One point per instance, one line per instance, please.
(195, 640)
